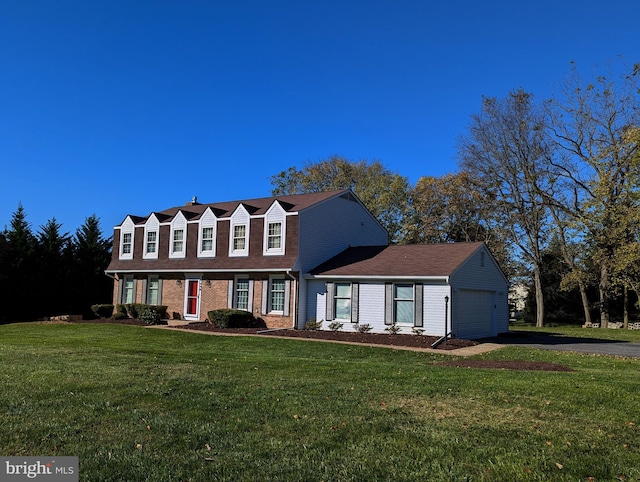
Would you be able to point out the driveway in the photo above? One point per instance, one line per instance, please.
(567, 343)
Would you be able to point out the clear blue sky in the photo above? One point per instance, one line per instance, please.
(127, 107)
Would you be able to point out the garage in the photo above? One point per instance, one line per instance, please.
(475, 314)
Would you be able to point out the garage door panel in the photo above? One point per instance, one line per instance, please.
(475, 314)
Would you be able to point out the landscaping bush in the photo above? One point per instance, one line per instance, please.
(121, 312)
(366, 328)
(102, 311)
(336, 326)
(312, 324)
(151, 314)
(227, 318)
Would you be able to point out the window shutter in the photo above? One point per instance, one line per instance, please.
(159, 291)
(144, 292)
(120, 286)
(329, 302)
(265, 296)
(418, 308)
(230, 301)
(355, 294)
(250, 303)
(388, 303)
(287, 296)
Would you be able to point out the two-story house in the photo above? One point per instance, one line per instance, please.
(247, 255)
(291, 259)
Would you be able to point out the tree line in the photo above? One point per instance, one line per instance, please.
(52, 272)
(551, 186)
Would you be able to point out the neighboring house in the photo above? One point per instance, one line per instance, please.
(247, 255)
(417, 287)
(292, 259)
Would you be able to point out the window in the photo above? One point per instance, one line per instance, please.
(274, 236)
(206, 243)
(342, 301)
(126, 243)
(128, 292)
(153, 290)
(242, 294)
(178, 241)
(152, 238)
(403, 303)
(239, 237)
(277, 294)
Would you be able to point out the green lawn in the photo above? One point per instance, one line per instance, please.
(140, 404)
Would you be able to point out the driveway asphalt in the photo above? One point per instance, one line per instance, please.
(568, 343)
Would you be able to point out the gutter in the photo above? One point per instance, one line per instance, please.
(295, 297)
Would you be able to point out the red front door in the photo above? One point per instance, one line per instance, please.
(192, 301)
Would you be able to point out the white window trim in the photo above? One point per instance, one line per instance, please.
(270, 309)
(336, 297)
(127, 227)
(235, 293)
(413, 301)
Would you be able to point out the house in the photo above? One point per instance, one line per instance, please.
(246, 255)
(292, 259)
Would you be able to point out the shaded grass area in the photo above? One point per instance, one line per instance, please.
(139, 404)
(579, 332)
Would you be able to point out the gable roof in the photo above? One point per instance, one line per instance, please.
(291, 204)
(415, 260)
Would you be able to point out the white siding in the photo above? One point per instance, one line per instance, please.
(371, 309)
(316, 292)
(330, 227)
(434, 309)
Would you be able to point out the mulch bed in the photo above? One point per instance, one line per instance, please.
(412, 341)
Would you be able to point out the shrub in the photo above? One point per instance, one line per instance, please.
(227, 318)
(102, 311)
(312, 324)
(363, 328)
(393, 329)
(149, 315)
(417, 331)
(121, 312)
(335, 326)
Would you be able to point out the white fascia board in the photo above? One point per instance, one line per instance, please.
(444, 279)
(251, 270)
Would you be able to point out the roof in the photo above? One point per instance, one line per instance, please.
(291, 204)
(419, 260)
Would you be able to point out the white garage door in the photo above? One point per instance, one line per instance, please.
(475, 314)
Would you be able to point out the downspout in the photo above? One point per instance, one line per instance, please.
(295, 298)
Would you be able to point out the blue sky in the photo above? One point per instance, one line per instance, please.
(127, 107)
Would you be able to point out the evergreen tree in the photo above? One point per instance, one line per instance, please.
(92, 254)
(54, 257)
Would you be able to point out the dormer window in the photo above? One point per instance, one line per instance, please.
(151, 228)
(274, 230)
(207, 235)
(239, 235)
(177, 246)
(127, 230)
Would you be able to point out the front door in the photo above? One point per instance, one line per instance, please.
(192, 300)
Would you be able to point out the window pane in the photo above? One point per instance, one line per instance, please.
(404, 312)
(343, 290)
(343, 309)
(178, 236)
(128, 291)
(404, 292)
(275, 235)
(152, 297)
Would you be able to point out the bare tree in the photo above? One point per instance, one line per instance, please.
(507, 150)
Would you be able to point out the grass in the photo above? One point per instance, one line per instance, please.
(139, 404)
(579, 332)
